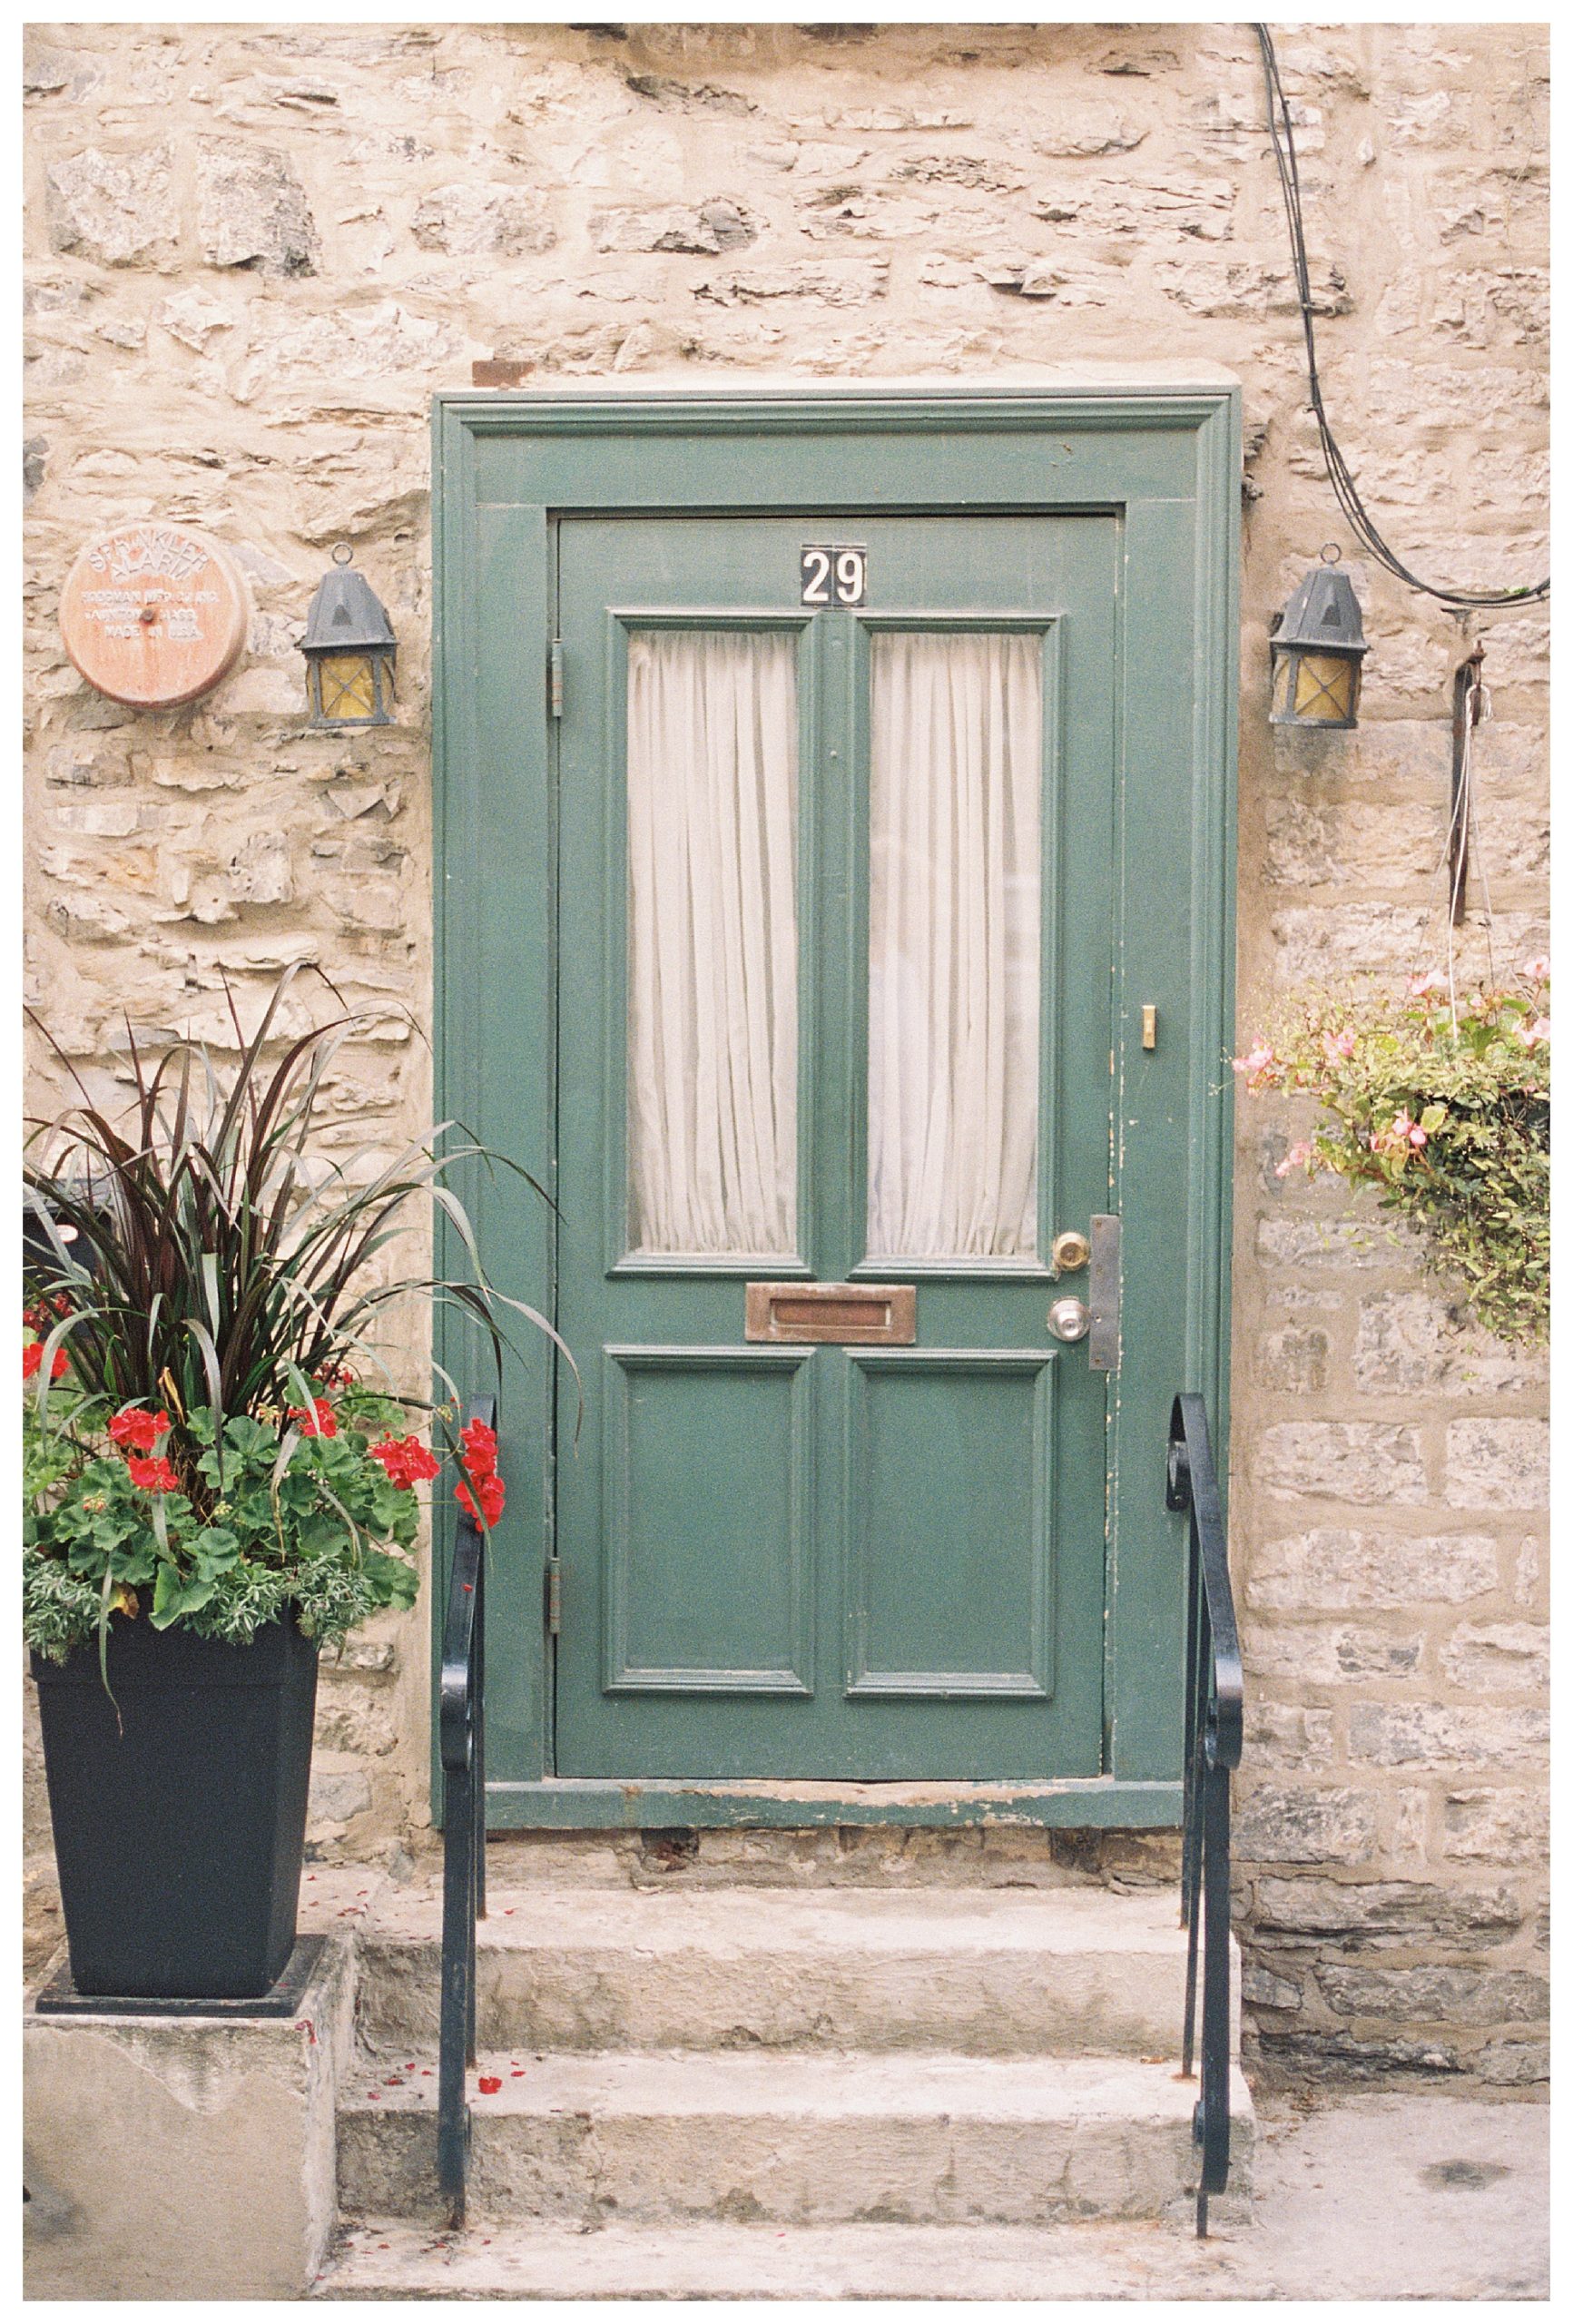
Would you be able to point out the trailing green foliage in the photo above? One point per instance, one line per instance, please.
(205, 1287)
(1444, 1108)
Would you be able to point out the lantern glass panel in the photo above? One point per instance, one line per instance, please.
(1282, 686)
(1324, 688)
(348, 686)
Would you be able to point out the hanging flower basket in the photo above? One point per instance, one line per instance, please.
(1442, 1105)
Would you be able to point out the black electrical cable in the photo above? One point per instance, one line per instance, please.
(1346, 491)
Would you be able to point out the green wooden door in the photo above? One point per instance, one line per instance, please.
(836, 913)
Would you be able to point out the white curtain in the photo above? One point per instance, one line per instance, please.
(955, 824)
(713, 1064)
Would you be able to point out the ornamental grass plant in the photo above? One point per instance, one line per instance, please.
(1443, 1107)
(212, 1436)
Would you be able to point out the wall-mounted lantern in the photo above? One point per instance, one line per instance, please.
(349, 648)
(1318, 646)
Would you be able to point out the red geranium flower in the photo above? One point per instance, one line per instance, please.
(153, 1476)
(491, 1491)
(480, 1449)
(32, 1356)
(318, 1421)
(405, 1459)
(135, 1426)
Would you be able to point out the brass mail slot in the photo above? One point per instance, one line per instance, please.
(880, 1315)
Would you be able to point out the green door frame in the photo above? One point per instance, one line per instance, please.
(1165, 461)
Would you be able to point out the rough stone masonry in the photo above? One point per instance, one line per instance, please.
(252, 255)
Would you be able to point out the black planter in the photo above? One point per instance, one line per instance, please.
(179, 1829)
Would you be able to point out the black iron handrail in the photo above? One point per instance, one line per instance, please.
(1214, 1728)
(461, 1741)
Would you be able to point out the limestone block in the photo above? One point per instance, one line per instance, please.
(113, 209)
(1498, 1657)
(1445, 1996)
(1229, 123)
(1287, 1735)
(1148, 210)
(1332, 1569)
(260, 870)
(183, 2158)
(717, 224)
(1243, 287)
(1293, 1360)
(1509, 1827)
(1356, 1461)
(87, 919)
(1513, 2064)
(1263, 1988)
(1409, 1340)
(379, 341)
(1312, 845)
(821, 283)
(1326, 944)
(1283, 1824)
(881, 120)
(1374, 1914)
(46, 71)
(1335, 1656)
(1076, 129)
(251, 209)
(338, 1794)
(1498, 1463)
(1397, 1734)
(473, 220)
(194, 317)
(1300, 1242)
(1375, 752)
(351, 1720)
(659, 89)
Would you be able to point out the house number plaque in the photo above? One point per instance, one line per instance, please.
(152, 615)
(834, 575)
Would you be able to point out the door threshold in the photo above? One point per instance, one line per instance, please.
(567, 1803)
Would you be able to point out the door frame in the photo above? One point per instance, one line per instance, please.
(1164, 459)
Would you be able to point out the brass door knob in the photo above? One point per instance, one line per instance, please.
(1071, 1251)
(1068, 1320)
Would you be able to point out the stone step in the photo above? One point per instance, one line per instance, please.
(1072, 1971)
(715, 2260)
(799, 2138)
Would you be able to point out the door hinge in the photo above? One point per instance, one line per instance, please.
(554, 677)
(554, 1597)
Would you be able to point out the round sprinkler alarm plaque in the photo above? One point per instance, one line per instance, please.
(152, 615)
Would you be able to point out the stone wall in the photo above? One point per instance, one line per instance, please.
(253, 253)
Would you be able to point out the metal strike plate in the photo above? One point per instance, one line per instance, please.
(864, 1314)
(1103, 1292)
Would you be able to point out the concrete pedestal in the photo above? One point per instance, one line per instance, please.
(183, 2158)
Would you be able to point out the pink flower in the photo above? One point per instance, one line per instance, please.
(1339, 1044)
(1259, 1064)
(1540, 1030)
(1429, 982)
(1538, 970)
(1403, 1130)
(1299, 1154)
